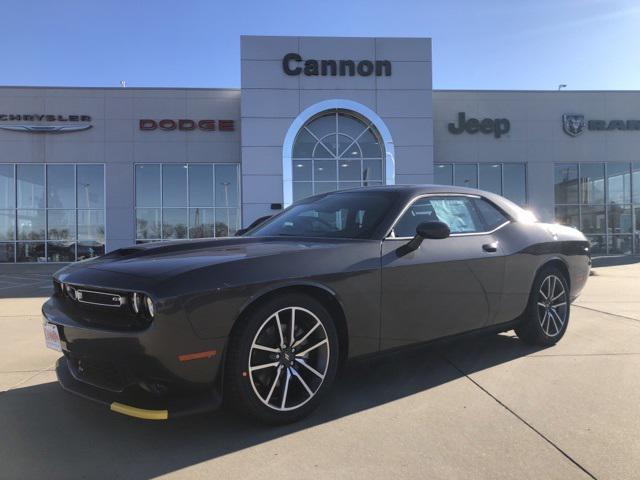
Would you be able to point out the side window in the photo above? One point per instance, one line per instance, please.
(492, 217)
(457, 212)
(420, 211)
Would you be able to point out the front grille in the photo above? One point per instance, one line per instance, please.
(92, 297)
(101, 308)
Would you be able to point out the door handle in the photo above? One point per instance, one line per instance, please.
(490, 247)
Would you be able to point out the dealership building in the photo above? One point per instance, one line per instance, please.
(88, 170)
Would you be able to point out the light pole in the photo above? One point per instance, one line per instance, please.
(561, 86)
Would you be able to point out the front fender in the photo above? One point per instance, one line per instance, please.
(214, 299)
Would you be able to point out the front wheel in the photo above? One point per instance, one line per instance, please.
(546, 318)
(282, 359)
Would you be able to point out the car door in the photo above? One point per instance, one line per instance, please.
(446, 286)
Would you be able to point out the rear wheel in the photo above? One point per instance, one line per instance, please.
(547, 315)
(282, 359)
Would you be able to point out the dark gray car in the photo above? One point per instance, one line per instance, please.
(267, 319)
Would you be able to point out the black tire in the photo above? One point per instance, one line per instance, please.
(542, 324)
(246, 389)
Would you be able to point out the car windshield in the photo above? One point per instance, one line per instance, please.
(336, 215)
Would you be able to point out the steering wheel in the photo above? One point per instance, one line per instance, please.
(304, 223)
(325, 223)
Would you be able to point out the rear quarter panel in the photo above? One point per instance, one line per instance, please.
(529, 246)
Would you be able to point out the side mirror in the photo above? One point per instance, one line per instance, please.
(430, 230)
(433, 230)
(255, 223)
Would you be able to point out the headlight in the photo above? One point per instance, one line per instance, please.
(73, 294)
(141, 305)
(150, 308)
(136, 302)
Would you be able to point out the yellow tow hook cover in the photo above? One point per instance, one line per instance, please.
(139, 412)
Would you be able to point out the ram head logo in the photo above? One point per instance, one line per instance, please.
(573, 124)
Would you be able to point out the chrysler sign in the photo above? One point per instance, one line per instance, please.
(45, 123)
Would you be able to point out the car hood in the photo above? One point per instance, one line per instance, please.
(160, 260)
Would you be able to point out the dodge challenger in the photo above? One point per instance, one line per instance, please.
(265, 320)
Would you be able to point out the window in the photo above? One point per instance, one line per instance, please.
(30, 180)
(343, 215)
(443, 174)
(619, 183)
(459, 213)
(506, 179)
(568, 215)
(51, 213)
(179, 201)
(592, 184)
(336, 150)
(635, 181)
(492, 217)
(465, 175)
(566, 184)
(490, 176)
(601, 200)
(514, 182)
(593, 219)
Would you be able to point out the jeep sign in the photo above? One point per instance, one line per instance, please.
(497, 126)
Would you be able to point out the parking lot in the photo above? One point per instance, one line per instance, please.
(24, 285)
(488, 407)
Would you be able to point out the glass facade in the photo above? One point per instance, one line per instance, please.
(603, 201)
(178, 201)
(506, 179)
(51, 213)
(336, 150)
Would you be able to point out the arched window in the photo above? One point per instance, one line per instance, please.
(334, 150)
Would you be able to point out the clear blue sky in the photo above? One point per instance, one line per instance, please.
(481, 44)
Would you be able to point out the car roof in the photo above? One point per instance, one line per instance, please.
(415, 189)
(410, 191)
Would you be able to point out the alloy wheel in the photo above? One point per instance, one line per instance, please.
(552, 305)
(289, 358)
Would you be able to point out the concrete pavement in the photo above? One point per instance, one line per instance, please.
(24, 285)
(487, 407)
(614, 288)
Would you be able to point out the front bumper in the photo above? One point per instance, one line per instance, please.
(160, 372)
(137, 403)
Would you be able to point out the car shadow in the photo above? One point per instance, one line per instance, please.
(615, 260)
(45, 432)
